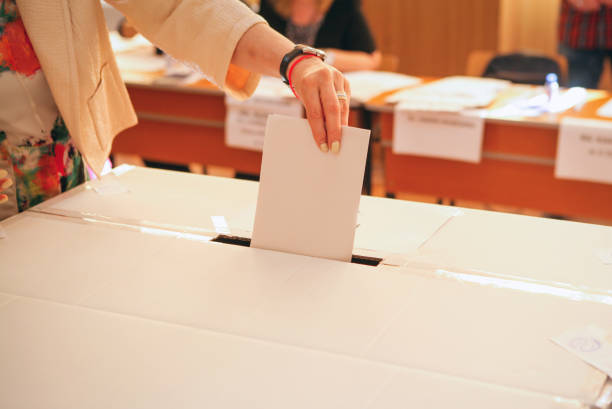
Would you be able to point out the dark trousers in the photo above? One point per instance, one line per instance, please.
(585, 66)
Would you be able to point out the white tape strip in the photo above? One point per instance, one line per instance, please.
(591, 344)
(110, 187)
(220, 224)
(121, 169)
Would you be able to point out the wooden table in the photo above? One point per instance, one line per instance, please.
(186, 124)
(517, 167)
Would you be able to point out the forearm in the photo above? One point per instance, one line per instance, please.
(355, 60)
(261, 50)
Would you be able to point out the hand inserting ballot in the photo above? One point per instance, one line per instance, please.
(325, 94)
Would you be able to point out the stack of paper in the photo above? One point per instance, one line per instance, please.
(452, 94)
(540, 103)
(308, 200)
(365, 85)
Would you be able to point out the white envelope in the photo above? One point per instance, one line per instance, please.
(308, 200)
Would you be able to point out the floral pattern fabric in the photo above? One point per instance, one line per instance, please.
(35, 145)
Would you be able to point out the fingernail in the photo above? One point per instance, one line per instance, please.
(6, 184)
(324, 147)
(3, 173)
(335, 147)
(3, 198)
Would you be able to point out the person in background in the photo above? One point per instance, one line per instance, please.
(336, 26)
(585, 39)
(63, 100)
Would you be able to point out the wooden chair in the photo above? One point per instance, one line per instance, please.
(478, 60)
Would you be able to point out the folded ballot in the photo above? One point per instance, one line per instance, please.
(308, 200)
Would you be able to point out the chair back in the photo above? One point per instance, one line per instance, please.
(522, 68)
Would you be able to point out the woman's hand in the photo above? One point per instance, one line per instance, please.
(326, 95)
(321, 87)
(5, 183)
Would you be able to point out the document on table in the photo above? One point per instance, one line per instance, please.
(451, 94)
(584, 150)
(445, 135)
(605, 110)
(365, 85)
(245, 122)
(308, 200)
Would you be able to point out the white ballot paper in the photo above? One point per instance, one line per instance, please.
(445, 135)
(308, 200)
(245, 121)
(584, 150)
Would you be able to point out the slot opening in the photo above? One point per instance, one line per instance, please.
(246, 242)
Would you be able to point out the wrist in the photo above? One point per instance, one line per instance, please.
(301, 61)
(291, 57)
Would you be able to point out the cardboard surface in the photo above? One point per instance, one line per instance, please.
(539, 249)
(125, 362)
(414, 320)
(158, 198)
(189, 201)
(308, 200)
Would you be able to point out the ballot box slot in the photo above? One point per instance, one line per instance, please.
(246, 242)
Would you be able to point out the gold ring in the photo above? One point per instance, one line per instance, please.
(342, 95)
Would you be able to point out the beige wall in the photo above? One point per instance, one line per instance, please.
(532, 25)
(433, 37)
(528, 25)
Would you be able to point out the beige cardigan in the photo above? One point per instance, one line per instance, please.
(71, 42)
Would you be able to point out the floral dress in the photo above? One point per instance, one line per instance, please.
(35, 146)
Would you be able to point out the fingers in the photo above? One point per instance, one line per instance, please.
(314, 113)
(332, 114)
(318, 86)
(342, 86)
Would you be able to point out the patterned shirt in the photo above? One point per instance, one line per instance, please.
(587, 31)
(35, 147)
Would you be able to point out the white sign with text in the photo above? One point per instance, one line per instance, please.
(445, 135)
(584, 150)
(245, 121)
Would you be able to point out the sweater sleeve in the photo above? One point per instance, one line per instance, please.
(201, 32)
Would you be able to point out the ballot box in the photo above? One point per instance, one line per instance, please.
(115, 315)
(213, 206)
(573, 256)
(394, 232)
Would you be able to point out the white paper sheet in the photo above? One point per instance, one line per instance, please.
(245, 122)
(446, 135)
(451, 94)
(308, 199)
(584, 150)
(365, 85)
(539, 104)
(591, 344)
(606, 109)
